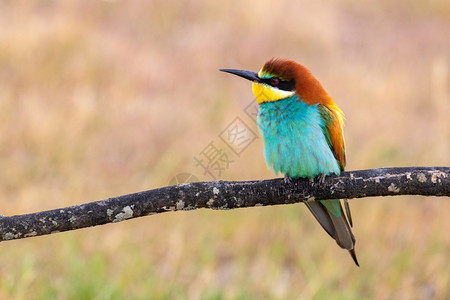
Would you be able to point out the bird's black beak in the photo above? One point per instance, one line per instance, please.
(252, 76)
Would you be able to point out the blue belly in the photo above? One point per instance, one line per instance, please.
(294, 142)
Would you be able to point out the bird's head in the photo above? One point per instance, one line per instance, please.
(279, 79)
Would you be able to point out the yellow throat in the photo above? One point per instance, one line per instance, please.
(266, 93)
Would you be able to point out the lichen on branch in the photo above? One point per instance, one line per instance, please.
(426, 181)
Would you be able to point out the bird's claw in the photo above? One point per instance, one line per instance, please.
(319, 179)
(288, 180)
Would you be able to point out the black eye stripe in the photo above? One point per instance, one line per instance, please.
(282, 84)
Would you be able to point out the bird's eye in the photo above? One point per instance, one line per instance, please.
(274, 81)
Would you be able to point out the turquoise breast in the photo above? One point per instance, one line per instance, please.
(294, 142)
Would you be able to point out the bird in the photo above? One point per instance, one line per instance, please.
(302, 129)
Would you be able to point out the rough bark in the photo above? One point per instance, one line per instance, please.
(426, 181)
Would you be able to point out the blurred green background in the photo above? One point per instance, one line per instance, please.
(105, 98)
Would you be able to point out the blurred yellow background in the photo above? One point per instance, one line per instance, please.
(105, 98)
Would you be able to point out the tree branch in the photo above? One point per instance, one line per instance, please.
(426, 181)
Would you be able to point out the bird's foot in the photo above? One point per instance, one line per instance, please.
(319, 179)
(288, 180)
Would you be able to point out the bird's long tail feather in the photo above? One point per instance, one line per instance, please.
(337, 227)
(322, 216)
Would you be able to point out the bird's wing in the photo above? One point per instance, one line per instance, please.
(332, 129)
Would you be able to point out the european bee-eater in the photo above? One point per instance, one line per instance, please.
(302, 129)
